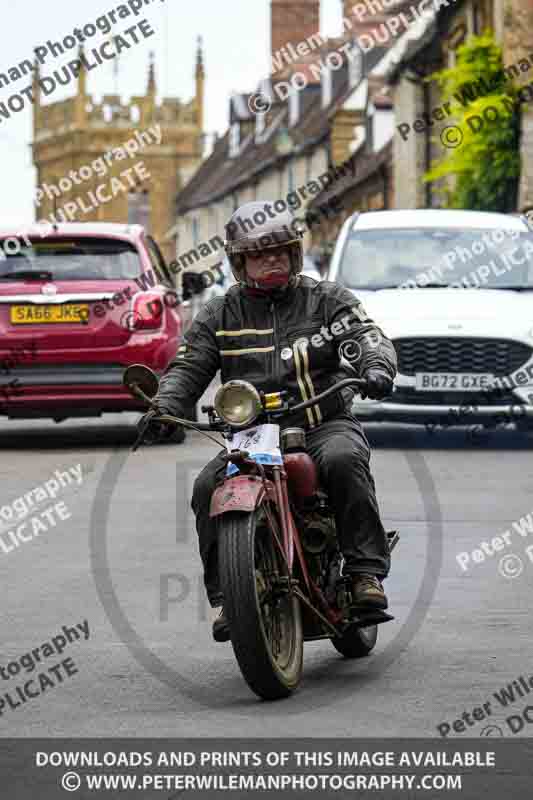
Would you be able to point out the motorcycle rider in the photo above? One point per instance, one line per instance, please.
(280, 330)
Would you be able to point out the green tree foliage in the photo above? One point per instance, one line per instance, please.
(486, 157)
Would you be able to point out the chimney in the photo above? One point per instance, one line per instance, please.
(367, 18)
(293, 22)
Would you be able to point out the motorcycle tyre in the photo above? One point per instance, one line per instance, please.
(237, 540)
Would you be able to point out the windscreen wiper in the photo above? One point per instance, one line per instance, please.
(433, 286)
(28, 274)
(512, 288)
(401, 286)
(374, 288)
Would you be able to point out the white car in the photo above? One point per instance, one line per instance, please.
(310, 269)
(453, 290)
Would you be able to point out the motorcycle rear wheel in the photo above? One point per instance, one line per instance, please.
(266, 630)
(356, 642)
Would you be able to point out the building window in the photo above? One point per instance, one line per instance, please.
(456, 38)
(139, 209)
(55, 204)
(355, 61)
(211, 224)
(260, 125)
(294, 107)
(308, 168)
(369, 128)
(327, 88)
(290, 175)
(195, 231)
(479, 18)
(234, 139)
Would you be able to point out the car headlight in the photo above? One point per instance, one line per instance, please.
(238, 403)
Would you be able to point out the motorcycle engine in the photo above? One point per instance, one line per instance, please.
(318, 534)
(320, 544)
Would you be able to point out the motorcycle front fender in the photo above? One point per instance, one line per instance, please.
(241, 493)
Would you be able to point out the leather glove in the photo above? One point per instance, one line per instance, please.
(379, 385)
(155, 431)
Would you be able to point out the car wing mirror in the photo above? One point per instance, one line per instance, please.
(192, 283)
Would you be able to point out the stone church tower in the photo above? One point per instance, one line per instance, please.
(72, 134)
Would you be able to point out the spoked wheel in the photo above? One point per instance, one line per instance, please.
(356, 642)
(264, 620)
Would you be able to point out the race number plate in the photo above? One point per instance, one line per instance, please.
(453, 381)
(261, 442)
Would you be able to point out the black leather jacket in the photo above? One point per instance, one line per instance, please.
(255, 337)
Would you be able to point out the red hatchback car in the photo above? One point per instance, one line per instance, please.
(78, 304)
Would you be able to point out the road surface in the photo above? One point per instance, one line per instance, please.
(132, 574)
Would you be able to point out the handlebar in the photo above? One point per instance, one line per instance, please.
(359, 382)
(198, 426)
(207, 426)
(221, 427)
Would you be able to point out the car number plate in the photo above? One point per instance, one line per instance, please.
(49, 314)
(458, 381)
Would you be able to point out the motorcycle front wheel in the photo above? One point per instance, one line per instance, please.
(265, 622)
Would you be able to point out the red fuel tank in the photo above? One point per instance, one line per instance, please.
(302, 476)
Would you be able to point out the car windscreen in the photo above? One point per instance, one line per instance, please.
(73, 258)
(418, 257)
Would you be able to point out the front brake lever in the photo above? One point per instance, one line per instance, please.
(138, 441)
(140, 437)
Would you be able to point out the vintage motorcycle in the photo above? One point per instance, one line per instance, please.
(280, 567)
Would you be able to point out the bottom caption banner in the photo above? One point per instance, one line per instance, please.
(179, 768)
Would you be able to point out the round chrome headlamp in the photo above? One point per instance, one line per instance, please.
(238, 403)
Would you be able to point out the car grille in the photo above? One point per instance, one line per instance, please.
(496, 356)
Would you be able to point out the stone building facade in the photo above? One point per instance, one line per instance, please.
(73, 133)
(434, 48)
(518, 43)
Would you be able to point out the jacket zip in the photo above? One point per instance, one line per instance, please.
(277, 377)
